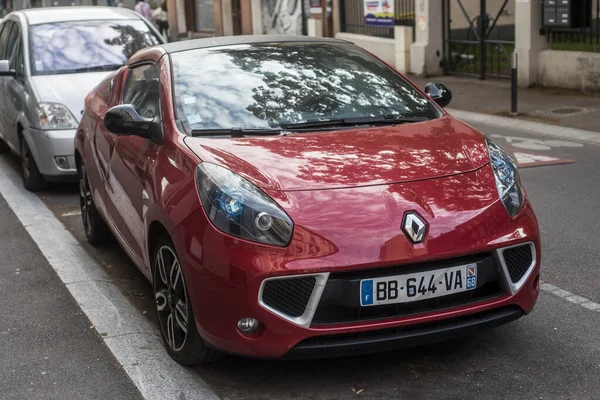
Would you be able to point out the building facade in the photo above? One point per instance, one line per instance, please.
(200, 18)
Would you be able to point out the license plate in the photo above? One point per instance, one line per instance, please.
(417, 286)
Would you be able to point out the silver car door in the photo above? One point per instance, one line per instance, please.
(15, 85)
(7, 26)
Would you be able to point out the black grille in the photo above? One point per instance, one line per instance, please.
(289, 296)
(340, 301)
(518, 260)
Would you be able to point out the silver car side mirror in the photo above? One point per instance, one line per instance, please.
(5, 68)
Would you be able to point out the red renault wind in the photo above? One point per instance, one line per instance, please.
(297, 197)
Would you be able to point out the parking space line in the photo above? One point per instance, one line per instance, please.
(568, 296)
(134, 341)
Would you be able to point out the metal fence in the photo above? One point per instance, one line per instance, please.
(581, 39)
(478, 37)
(352, 18)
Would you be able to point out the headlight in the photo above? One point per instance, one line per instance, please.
(56, 116)
(239, 208)
(507, 178)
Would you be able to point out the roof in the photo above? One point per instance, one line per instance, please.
(244, 39)
(45, 15)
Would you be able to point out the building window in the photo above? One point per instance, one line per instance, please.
(204, 15)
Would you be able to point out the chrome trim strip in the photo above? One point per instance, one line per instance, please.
(508, 283)
(309, 312)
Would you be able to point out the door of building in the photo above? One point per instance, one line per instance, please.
(236, 15)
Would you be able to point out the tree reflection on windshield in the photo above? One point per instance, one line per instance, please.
(79, 45)
(326, 84)
(253, 86)
(131, 39)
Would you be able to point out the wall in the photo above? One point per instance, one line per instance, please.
(282, 17)
(257, 27)
(569, 69)
(381, 47)
(315, 27)
(395, 52)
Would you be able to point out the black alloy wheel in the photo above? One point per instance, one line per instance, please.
(94, 226)
(32, 178)
(175, 315)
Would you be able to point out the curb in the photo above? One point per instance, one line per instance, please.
(538, 128)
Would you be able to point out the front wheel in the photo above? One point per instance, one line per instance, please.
(175, 314)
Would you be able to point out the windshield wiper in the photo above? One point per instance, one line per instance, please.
(357, 121)
(109, 67)
(236, 132)
(333, 123)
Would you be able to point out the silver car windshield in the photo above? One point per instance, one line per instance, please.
(258, 86)
(83, 46)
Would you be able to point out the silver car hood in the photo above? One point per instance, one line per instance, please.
(67, 89)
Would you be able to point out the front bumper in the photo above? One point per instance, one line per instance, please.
(46, 145)
(399, 338)
(226, 275)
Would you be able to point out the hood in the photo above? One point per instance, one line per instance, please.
(67, 89)
(350, 158)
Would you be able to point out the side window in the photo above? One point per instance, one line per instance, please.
(9, 51)
(17, 61)
(16, 56)
(4, 34)
(142, 90)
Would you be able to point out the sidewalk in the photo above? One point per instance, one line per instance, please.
(551, 106)
(49, 349)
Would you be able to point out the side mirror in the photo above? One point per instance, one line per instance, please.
(124, 120)
(5, 69)
(439, 93)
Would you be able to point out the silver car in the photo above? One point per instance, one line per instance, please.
(50, 59)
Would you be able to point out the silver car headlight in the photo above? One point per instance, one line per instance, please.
(56, 116)
(507, 178)
(239, 208)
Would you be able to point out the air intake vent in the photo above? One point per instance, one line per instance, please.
(289, 296)
(518, 260)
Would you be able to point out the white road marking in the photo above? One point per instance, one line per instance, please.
(536, 128)
(568, 296)
(134, 341)
(526, 158)
(536, 144)
(561, 143)
(70, 214)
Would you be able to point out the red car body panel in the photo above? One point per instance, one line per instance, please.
(346, 191)
(350, 158)
(328, 237)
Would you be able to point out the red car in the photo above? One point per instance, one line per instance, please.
(297, 197)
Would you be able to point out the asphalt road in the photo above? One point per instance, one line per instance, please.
(554, 353)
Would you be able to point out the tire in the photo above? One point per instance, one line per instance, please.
(4, 147)
(94, 226)
(175, 310)
(32, 178)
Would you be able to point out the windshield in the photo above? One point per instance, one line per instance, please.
(270, 85)
(79, 46)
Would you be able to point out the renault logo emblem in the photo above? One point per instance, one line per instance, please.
(414, 227)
